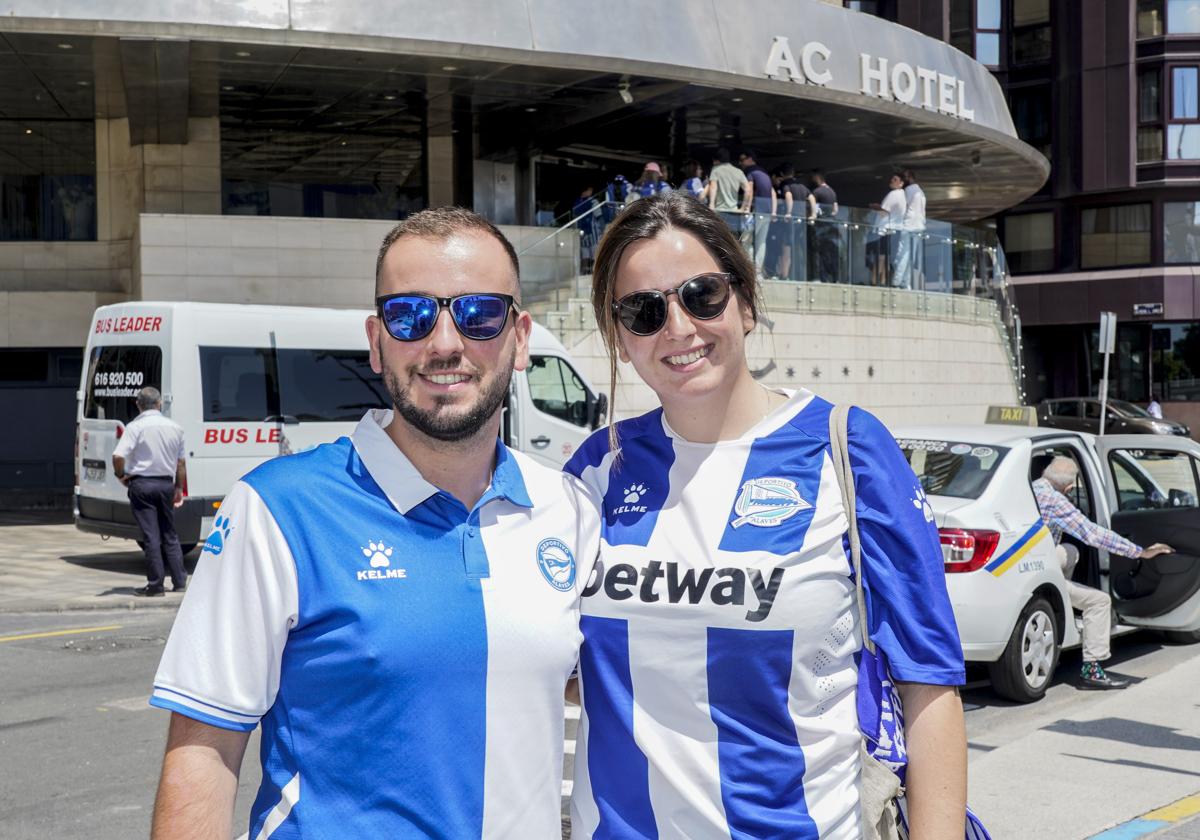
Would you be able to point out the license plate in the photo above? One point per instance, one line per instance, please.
(93, 473)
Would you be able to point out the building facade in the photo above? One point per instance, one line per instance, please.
(200, 115)
(1110, 93)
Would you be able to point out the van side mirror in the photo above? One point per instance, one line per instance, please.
(597, 410)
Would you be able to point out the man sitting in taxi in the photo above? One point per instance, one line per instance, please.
(1060, 515)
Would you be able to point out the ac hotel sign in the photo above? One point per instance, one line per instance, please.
(898, 81)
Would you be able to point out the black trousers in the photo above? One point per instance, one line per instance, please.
(152, 500)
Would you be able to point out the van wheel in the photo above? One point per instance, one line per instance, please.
(1023, 672)
(1182, 637)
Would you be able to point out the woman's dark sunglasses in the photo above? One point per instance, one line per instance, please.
(476, 316)
(703, 296)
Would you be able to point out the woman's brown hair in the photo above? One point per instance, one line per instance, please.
(646, 218)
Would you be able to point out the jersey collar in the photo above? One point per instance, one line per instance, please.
(404, 485)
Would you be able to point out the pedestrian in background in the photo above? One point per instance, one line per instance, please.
(1154, 409)
(583, 211)
(651, 182)
(725, 185)
(827, 233)
(893, 208)
(760, 200)
(693, 179)
(909, 262)
(799, 206)
(149, 461)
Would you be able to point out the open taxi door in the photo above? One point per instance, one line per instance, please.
(1153, 486)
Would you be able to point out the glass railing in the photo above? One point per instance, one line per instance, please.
(854, 246)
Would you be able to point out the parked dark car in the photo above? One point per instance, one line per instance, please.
(1082, 414)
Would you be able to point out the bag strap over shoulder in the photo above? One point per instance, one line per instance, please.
(839, 446)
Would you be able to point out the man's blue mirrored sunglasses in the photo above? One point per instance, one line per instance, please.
(476, 316)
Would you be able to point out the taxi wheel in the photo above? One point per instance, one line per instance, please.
(1024, 671)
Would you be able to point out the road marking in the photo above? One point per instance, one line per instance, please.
(50, 633)
(132, 704)
(1186, 807)
(1153, 821)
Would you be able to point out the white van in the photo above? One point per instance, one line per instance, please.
(248, 383)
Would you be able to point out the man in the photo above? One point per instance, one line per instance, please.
(758, 198)
(149, 460)
(893, 206)
(827, 235)
(725, 183)
(909, 260)
(799, 207)
(1060, 515)
(398, 609)
(1154, 409)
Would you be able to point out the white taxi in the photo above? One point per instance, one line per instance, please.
(1009, 595)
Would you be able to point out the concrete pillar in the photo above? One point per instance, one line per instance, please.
(439, 142)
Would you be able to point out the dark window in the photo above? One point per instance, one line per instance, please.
(47, 180)
(975, 29)
(238, 384)
(1031, 31)
(961, 29)
(24, 366)
(328, 385)
(1031, 116)
(1183, 17)
(1029, 242)
(1065, 408)
(1176, 349)
(1113, 236)
(1149, 18)
(951, 468)
(1149, 132)
(1181, 232)
(115, 375)
(557, 390)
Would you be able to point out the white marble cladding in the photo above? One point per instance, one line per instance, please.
(65, 266)
(291, 261)
(905, 368)
(49, 319)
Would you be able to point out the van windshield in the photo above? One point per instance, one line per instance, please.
(115, 375)
(254, 384)
(952, 468)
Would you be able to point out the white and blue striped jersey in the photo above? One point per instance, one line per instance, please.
(405, 656)
(720, 663)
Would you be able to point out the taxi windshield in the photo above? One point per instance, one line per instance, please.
(952, 468)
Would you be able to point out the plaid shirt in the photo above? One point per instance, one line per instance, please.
(1060, 515)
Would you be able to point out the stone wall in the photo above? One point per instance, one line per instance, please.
(907, 356)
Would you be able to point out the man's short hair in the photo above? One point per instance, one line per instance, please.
(1061, 471)
(909, 175)
(818, 176)
(723, 155)
(442, 223)
(148, 398)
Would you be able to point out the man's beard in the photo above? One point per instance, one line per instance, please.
(447, 425)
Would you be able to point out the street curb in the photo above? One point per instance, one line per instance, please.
(130, 604)
(1154, 821)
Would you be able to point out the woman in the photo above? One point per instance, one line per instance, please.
(693, 179)
(718, 672)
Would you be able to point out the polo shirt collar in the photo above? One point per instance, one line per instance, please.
(404, 485)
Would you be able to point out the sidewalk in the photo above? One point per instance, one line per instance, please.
(1177, 821)
(1084, 774)
(46, 565)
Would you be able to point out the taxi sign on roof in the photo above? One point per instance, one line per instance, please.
(1012, 415)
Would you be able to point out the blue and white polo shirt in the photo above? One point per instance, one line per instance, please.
(720, 669)
(404, 656)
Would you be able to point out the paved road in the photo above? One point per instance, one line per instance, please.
(86, 747)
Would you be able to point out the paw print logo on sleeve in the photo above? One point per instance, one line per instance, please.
(379, 554)
(215, 543)
(634, 493)
(921, 503)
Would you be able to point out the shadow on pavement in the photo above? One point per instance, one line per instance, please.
(126, 562)
(979, 693)
(1127, 731)
(1125, 762)
(24, 518)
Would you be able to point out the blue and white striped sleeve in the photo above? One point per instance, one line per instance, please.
(222, 661)
(907, 604)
